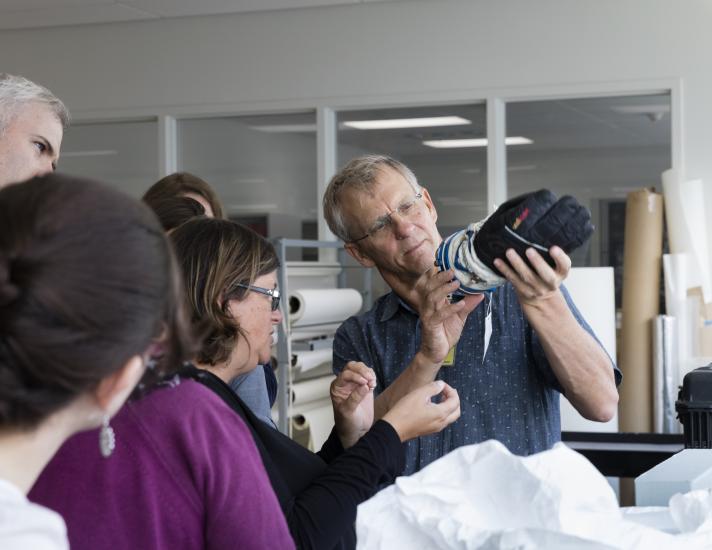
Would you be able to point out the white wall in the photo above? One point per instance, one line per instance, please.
(390, 52)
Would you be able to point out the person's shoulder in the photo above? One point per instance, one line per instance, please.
(28, 525)
(185, 414)
(181, 401)
(175, 393)
(375, 313)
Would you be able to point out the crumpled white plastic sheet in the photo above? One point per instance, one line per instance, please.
(483, 497)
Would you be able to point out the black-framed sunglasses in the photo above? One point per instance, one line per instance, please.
(271, 292)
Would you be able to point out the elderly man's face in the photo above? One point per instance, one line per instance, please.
(29, 144)
(406, 247)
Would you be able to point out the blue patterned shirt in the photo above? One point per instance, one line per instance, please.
(512, 395)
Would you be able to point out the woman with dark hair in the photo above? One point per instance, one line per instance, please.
(231, 278)
(88, 290)
(84, 300)
(256, 388)
(183, 184)
(175, 211)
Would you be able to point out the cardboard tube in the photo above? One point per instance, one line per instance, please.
(642, 257)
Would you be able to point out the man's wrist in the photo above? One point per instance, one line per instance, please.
(549, 307)
(423, 361)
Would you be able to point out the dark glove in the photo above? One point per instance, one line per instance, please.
(534, 220)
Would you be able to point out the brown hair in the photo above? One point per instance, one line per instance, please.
(175, 211)
(180, 184)
(215, 257)
(87, 281)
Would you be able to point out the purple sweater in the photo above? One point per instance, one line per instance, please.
(185, 475)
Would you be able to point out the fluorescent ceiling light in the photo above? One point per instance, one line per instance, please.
(98, 153)
(477, 142)
(521, 168)
(642, 109)
(285, 128)
(393, 123)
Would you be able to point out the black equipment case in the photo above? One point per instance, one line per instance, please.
(694, 408)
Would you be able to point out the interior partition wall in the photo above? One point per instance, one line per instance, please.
(270, 167)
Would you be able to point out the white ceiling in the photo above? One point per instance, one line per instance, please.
(27, 14)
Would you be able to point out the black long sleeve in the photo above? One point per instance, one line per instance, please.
(322, 514)
(319, 500)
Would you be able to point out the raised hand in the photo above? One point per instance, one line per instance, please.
(415, 414)
(352, 400)
(441, 321)
(535, 286)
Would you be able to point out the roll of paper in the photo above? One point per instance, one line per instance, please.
(317, 307)
(311, 390)
(308, 360)
(687, 227)
(642, 257)
(677, 304)
(664, 368)
(309, 333)
(316, 419)
(301, 432)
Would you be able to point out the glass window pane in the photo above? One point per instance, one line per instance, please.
(263, 168)
(455, 176)
(596, 149)
(124, 154)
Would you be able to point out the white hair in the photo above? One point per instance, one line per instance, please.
(17, 91)
(360, 173)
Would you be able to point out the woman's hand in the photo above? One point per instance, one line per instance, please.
(352, 399)
(415, 414)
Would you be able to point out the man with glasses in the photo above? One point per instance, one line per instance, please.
(509, 358)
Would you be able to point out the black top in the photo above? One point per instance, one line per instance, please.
(319, 492)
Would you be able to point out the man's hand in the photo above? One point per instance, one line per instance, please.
(415, 414)
(352, 400)
(441, 321)
(535, 286)
(441, 324)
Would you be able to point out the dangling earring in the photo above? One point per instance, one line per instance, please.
(107, 438)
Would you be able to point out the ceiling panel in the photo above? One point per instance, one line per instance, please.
(181, 8)
(25, 14)
(69, 13)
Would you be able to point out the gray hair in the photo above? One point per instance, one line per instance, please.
(17, 91)
(361, 174)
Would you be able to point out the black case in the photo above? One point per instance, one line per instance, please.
(694, 408)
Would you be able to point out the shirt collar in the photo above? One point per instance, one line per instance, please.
(391, 305)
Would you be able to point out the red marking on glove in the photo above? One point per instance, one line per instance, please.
(520, 218)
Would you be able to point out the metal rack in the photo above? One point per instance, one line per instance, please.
(284, 344)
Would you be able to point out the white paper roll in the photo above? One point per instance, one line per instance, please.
(308, 360)
(687, 227)
(309, 333)
(664, 375)
(317, 417)
(311, 390)
(316, 307)
(675, 276)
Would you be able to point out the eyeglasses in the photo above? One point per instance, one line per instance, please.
(271, 292)
(406, 210)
